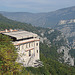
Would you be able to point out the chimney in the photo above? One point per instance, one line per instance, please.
(6, 30)
(11, 30)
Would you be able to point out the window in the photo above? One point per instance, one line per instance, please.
(37, 51)
(36, 44)
(29, 44)
(30, 53)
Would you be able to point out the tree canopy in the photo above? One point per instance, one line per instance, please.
(8, 55)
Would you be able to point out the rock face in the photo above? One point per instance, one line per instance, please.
(43, 38)
(68, 29)
(66, 21)
(60, 41)
(65, 56)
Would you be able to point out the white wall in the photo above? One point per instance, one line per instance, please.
(24, 53)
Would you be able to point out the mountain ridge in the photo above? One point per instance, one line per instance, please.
(42, 19)
(49, 19)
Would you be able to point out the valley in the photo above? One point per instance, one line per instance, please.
(62, 19)
(56, 31)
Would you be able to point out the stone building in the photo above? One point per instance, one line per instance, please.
(27, 44)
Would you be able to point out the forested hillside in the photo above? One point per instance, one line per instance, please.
(51, 67)
(7, 24)
(50, 39)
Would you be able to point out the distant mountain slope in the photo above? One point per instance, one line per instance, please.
(47, 36)
(53, 47)
(62, 19)
(49, 19)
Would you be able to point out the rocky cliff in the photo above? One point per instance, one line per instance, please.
(68, 28)
(54, 37)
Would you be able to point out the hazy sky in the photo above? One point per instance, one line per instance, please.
(34, 6)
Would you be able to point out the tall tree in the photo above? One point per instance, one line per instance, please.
(8, 55)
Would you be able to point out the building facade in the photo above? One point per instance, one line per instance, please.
(27, 44)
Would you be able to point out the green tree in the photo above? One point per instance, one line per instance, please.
(8, 56)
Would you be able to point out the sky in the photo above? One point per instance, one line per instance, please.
(34, 6)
